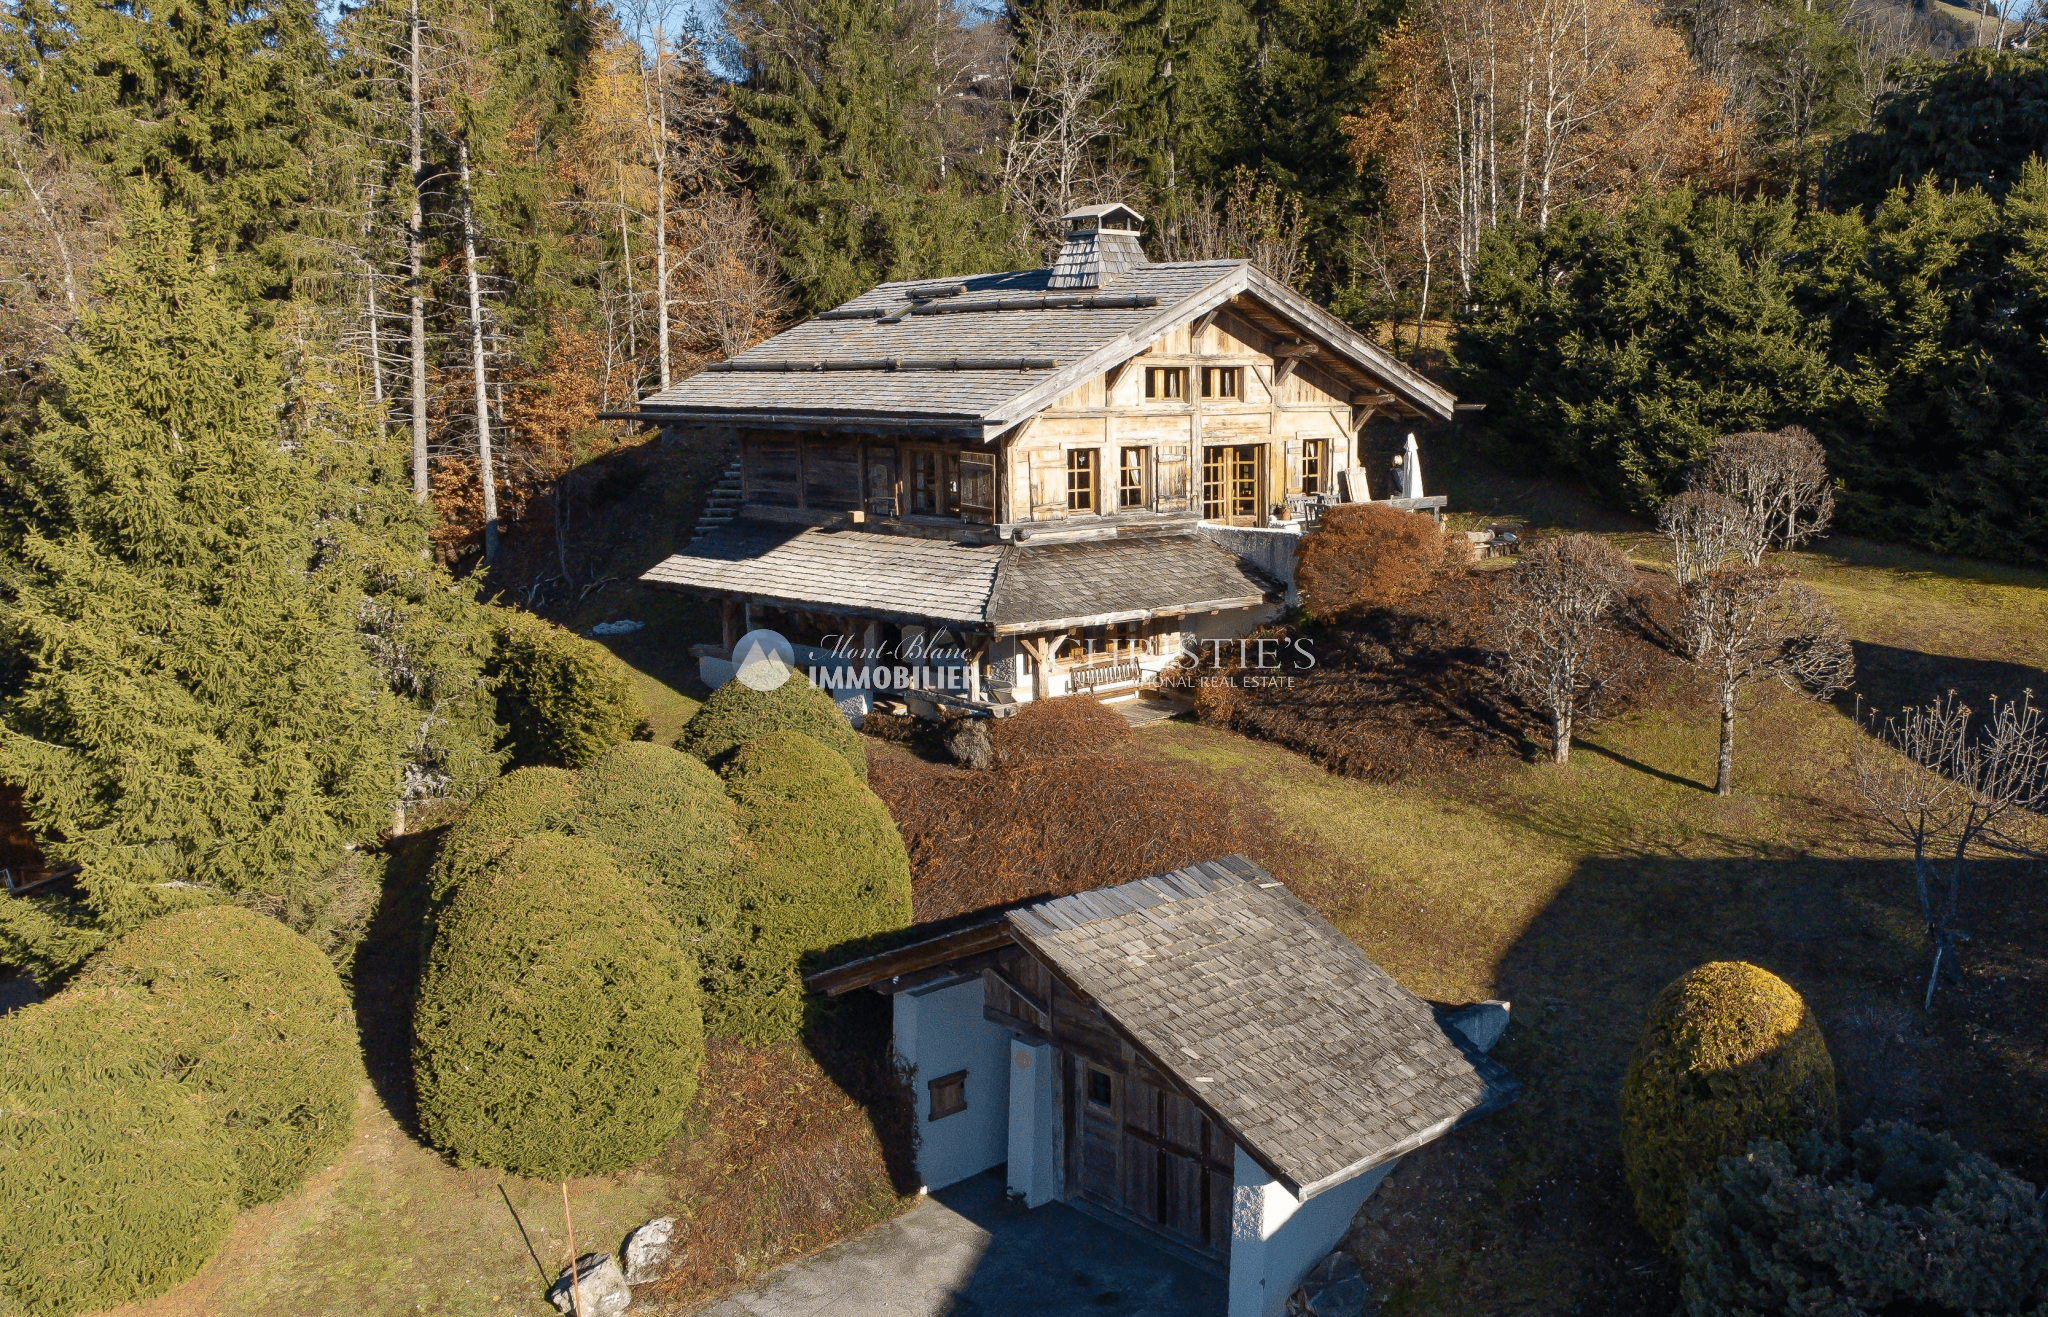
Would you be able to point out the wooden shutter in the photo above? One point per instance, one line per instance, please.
(978, 487)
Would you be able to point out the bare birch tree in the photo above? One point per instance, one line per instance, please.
(1744, 624)
(1953, 796)
(52, 231)
(1548, 628)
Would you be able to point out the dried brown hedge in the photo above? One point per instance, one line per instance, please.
(1403, 690)
(1055, 826)
(1363, 557)
(1059, 729)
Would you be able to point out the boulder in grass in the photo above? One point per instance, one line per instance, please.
(1334, 1287)
(647, 1250)
(600, 1284)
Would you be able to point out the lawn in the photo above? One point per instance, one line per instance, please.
(1575, 893)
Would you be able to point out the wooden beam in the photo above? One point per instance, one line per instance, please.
(1371, 399)
(956, 945)
(1002, 976)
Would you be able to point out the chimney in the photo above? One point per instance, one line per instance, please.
(1101, 244)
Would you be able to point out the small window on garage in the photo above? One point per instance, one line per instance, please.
(1100, 1092)
(949, 1095)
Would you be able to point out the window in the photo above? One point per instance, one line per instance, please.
(1221, 381)
(1230, 484)
(949, 1095)
(1081, 480)
(881, 486)
(1312, 466)
(932, 483)
(1130, 479)
(1099, 1090)
(977, 487)
(1169, 382)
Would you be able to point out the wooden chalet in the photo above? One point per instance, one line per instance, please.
(1059, 473)
(1197, 1055)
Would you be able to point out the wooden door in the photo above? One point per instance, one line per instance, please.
(1149, 1153)
(1233, 483)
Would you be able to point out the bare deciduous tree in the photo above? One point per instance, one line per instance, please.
(1743, 624)
(1704, 529)
(1779, 478)
(1253, 222)
(1061, 121)
(1953, 796)
(52, 230)
(731, 295)
(1548, 627)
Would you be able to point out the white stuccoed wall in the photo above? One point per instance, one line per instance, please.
(1275, 1237)
(940, 1029)
(1035, 1134)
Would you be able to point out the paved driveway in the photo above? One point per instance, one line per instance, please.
(967, 1251)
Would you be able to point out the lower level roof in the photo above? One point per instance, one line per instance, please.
(1005, 589)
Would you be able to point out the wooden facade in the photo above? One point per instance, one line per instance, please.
(1135, 1144)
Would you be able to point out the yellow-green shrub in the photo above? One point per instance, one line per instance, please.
(251, 1017)
(1729, 1055)
(115, 1184)
(737, 713)
(558, 1030)
(819, 863)
(666, 820)
(519, 804)
(564, 700)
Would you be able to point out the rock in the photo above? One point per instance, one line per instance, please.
(602, 1285)
(970, 744)
(647, 1250)
(1335, 1287)
(623, 627)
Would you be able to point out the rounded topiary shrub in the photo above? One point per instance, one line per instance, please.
(1898, 1220)
(1728, 1056)
(1364, 556)
(819, 863)
(666, 820)
(115, 1184)
(558, 1030)
(519, 804)
(564, 700)
(251, 1016)
(737, 713)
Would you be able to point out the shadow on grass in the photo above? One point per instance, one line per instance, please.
(1844, 933)
(387, 972)
(1581, 743)
(1889, 678)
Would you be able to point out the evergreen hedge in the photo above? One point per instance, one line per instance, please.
(114, 1182)
(1728, 1055)
(565, 700)
(737, 713)
(819, 863)
(666, 820)
(1898, 1220)
(520, 804)
(558, 1030)
(252, 1017)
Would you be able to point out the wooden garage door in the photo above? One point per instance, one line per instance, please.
(1150, 1153)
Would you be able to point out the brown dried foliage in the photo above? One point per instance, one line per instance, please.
(1363, 557)
(1053, 826)
(1407, 690)
(1058, 729)
(790, 1149)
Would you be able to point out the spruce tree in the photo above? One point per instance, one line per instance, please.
(211, 103)
(199, 718)
(829, 111)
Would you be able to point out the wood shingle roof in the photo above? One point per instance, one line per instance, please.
(1317, 1061)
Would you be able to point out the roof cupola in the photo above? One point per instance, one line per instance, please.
(1101, 244)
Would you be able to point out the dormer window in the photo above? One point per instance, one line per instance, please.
(1166, 383)
(1222, 381)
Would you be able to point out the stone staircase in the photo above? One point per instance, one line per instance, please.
(722, 506)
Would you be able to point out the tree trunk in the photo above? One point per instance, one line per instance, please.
(1561, 737)
(376, 353)
(660, 127)
(1724, 781)
(476, 357)
(414, 237)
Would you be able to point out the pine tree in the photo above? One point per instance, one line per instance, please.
(212, 103)
(200, 717)
(831, 145)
